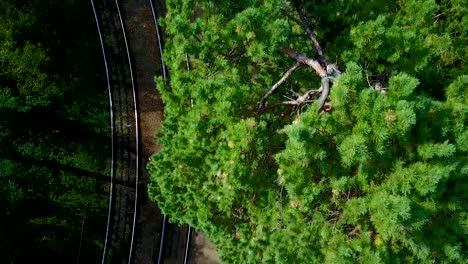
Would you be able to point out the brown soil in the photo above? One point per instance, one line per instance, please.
(203, 251)
(143, 48)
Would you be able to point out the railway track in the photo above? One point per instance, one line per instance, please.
(125, 134)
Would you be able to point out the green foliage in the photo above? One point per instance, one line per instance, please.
(382, 178)
(52, 129)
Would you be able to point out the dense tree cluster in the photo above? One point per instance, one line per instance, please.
(52, 128)
(379, 174)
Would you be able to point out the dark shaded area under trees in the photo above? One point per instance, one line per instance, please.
(53, 133)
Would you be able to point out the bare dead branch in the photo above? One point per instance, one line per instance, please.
(376, 85)
(332, 70)
(326, 90)
(313, 38)
(367, 78)
(294, 93)
(314, 64)
(304, 98)
(327, 107)
(334, 216)
(291, 102)
(327, 72)
(352, 231)
(297, 103)
(261, 104)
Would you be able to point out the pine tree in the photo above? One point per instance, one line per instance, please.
(312, 132)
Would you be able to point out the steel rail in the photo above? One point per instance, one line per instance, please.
(187, 245)
(155, 19)
(161, 245)
(164, 72)
(137, 131)
(112, 127)
(114, 134)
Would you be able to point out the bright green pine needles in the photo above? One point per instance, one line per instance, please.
(382, 177)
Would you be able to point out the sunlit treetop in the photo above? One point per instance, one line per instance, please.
(317, 132)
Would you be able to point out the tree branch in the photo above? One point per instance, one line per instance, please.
(326, 90)
(327, 72)
(301, 100)
(306, 60)
(261, 104)
(313, 38)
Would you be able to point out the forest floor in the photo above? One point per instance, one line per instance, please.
(143, 43)
(203, 251)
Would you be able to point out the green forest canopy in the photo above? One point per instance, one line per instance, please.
(379, 174)
(53, 123)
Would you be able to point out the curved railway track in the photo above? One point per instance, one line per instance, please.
(125, 134)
